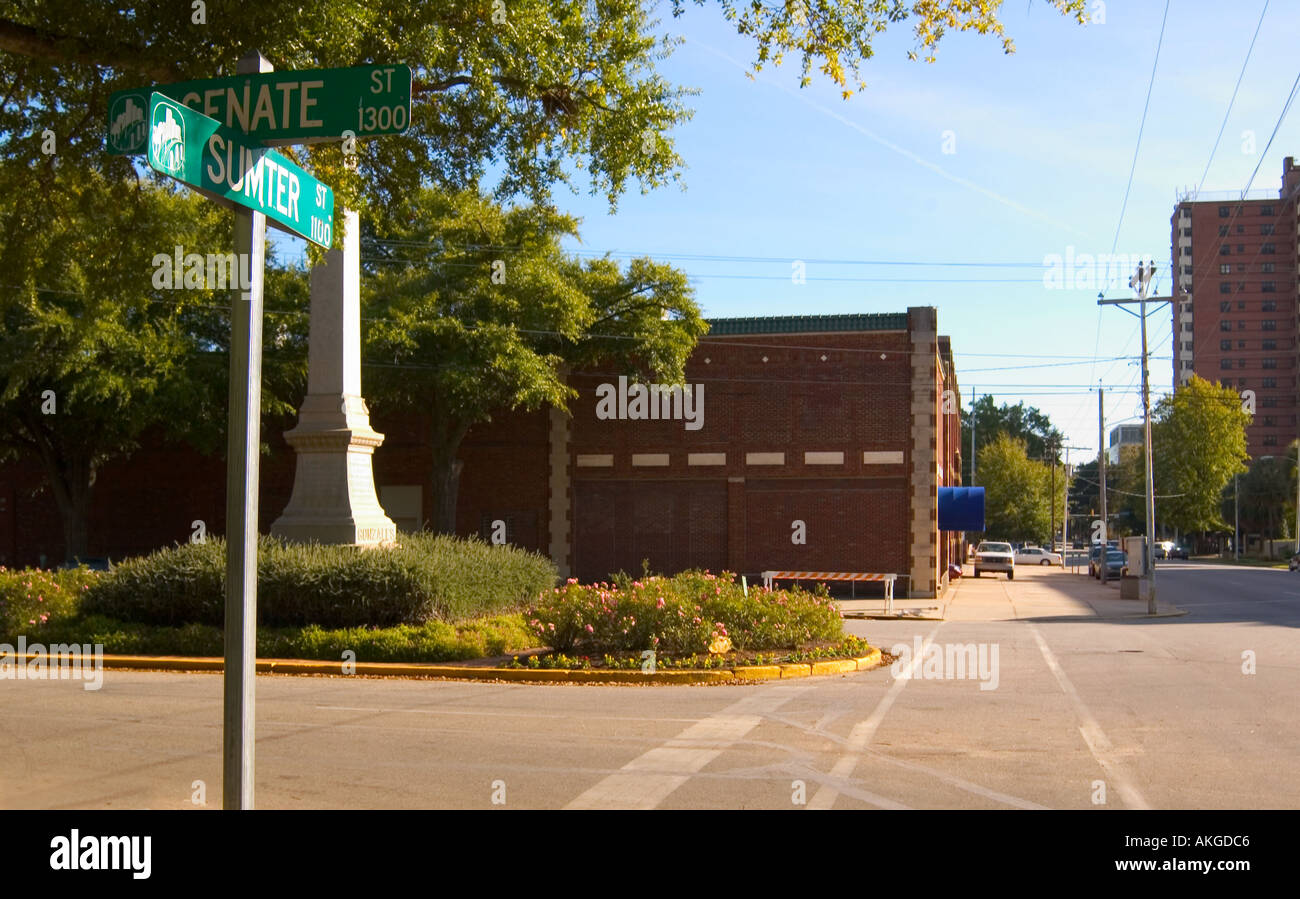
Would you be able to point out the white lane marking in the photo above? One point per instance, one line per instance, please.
(484, 714)
(649, 778)
(1098, 743)
(863, 731)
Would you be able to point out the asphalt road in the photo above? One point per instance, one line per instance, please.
(1133, 713)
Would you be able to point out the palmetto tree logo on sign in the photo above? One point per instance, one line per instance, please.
(126, 131)
(167, 140)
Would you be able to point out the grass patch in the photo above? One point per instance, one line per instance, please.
(433, 641)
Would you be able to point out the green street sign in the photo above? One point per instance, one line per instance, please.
(233, 170)
(278, 108)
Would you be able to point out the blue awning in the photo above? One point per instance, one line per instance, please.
(961, 508)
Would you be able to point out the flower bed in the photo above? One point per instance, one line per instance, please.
(685, 615)
(850, 647)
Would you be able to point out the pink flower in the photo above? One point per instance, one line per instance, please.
(660, 604)
(590, 629)
(44, 618)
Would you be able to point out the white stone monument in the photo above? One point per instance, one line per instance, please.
(333, 497)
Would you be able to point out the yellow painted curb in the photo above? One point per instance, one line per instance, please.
(834, 666)
(742, 674)
(758, 672)
(867, 662)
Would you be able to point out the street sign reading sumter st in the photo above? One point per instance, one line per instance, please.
(278, 108)
(232, 169)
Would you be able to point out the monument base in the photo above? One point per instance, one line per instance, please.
(333, 498)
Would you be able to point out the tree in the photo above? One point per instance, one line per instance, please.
(1198, 439)
(1020, 422)
(93, 353)
(1017, 492)
(1264, 497)
(837, 35)
(480, 312)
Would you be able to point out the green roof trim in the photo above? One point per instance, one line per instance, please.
(807, 324)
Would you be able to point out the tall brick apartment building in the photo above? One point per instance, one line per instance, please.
(1235, 298)
(819, 443)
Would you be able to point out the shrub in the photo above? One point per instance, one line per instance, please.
(428, 577)
(682, 614)
(32, 601)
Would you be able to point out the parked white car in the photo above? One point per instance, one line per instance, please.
(1036, 555)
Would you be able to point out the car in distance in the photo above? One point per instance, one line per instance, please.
(995, 557)
(1177, 552)
(1036, 555)
(1116, 562)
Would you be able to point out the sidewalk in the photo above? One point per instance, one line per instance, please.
(1036, 592)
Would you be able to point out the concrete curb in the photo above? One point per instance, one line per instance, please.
(743, 675)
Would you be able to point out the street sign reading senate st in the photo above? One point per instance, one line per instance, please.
(234, 170)
(278, 108)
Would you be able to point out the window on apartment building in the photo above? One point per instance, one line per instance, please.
(1187, 269)
(1267, 324)
(1266, 268)
(1187, 326)
(1223, 230)
(1225, 287)
(1225, 325)
(1225, 344)
(1241, 344)
(1268, 248)
(1268, 402)
(1266, 210)
(1268, 421)
(1269, 287)
(1269, 345)
(1270, 440)
(1241, 248)
(1241, 229)
(1224, 250)
(1241, 326)
(1225, 211)
(1241, 268)
(1266, 228)
(1268, 363)
(1241, 304)
(1225, 268)
(1268, 382)
(1187, 251)
(1225, 363)
(1187, 232)
(1241, 383)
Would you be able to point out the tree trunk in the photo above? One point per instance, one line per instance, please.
(71, 479)
(447, 437)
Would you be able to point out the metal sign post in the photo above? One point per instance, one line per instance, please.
(242, 448)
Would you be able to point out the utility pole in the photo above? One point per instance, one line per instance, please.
(972, 445)
(1140, 282)
(1236, 517)
(1101, 468)
(1065, 518)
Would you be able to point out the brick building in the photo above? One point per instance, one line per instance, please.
(808, 442)
(1235, 296)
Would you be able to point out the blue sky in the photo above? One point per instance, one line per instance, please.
(1044, 141)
